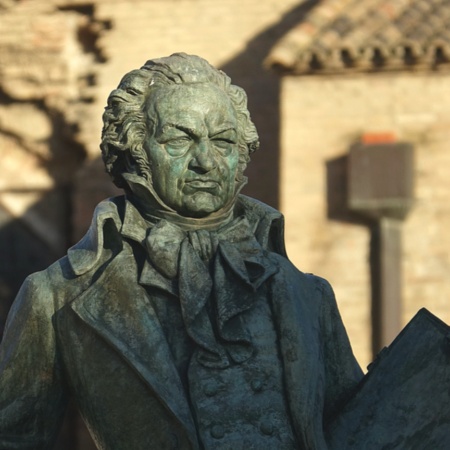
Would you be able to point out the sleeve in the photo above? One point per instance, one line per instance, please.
(342, 371)
(32, 400)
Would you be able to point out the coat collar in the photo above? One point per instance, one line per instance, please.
(266, 223)
(85, 255)
(103, 308)
(133, 330)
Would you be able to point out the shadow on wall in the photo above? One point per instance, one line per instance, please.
(263, 90)
(23, 251)
(43, 234)
(337, 193)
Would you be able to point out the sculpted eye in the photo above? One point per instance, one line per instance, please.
(178, 142)
(178, 146)
(223, 144)
(224, 141)
(132, 91)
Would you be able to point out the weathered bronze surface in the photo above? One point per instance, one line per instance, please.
(177, 321)
(403, 402)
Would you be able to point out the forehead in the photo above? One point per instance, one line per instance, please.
(188, 104)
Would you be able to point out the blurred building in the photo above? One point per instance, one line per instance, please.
(351, 71)
(320, 76)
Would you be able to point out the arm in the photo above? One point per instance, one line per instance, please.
(32, 401)
(342, 372)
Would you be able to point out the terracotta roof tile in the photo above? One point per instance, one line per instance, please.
(367, 35)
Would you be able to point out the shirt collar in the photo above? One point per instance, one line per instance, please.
(265, 222)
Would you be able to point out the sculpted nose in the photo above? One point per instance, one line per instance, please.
(203, 158)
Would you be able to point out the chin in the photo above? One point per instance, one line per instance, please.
(200, 207)
(198, 214)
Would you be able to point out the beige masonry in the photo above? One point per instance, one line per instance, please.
(216, 30)
(321, 117)
(44, 61)
(61, 58)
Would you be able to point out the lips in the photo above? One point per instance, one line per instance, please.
(202, 184)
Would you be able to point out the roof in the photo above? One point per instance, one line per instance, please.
(341, 36)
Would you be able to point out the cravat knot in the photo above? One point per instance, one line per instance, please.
(218, 274)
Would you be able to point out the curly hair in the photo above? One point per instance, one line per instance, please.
(125, 125)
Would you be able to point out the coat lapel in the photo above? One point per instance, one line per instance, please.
(118, 309)
(293, 306)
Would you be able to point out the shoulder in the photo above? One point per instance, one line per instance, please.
(61, 281)
(46, 291)
(288, 270)
(298, 286)
(321, 285)
(312, 293)
(34, 304)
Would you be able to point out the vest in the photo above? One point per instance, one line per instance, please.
(244, 406)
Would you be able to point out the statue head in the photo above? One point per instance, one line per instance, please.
(180, 128)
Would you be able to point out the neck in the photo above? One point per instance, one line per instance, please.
(212, 222)
(153, 209)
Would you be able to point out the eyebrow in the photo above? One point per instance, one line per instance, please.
(187, 130)
(193, 131)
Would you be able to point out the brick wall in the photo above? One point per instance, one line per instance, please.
(321, 118)
(233, 35)
(59, 60)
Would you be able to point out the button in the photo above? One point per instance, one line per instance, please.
(266, 427)
(210, 388)
(217, 431)
(257, 384)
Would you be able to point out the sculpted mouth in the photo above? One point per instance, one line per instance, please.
(202, 184)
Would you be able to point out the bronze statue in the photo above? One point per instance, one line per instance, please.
(177, 321)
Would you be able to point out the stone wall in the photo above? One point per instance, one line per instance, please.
(44, 89)
(233, 35)
(321, 118)
(59, 59)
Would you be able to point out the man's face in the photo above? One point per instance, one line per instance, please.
(193, 151)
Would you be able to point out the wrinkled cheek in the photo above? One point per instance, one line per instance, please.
(177, 190)
(228, 188)
(228, 167)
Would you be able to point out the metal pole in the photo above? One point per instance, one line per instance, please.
(386, 268)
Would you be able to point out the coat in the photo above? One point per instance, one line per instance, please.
(85, 328)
